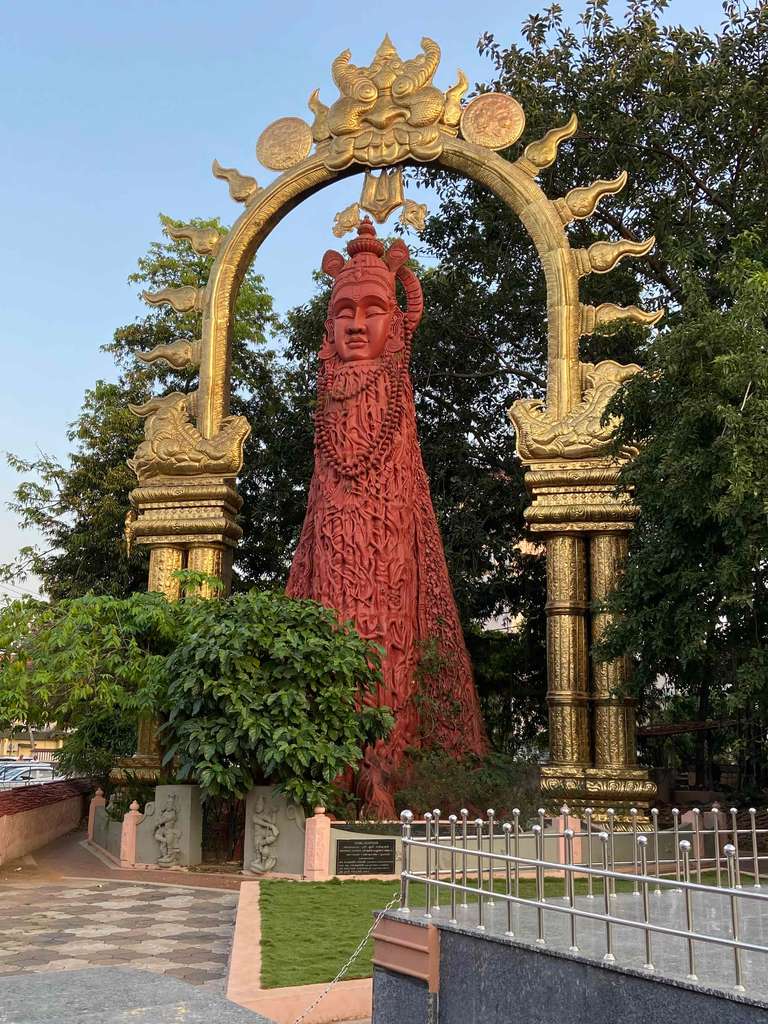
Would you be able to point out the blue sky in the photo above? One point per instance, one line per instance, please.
(112, 113)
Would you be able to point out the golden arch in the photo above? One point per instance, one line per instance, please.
(185, 507)
(515, 188)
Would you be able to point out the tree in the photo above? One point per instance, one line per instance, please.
(252, 688)
(80, 506)
(684, 112)
(694, 600)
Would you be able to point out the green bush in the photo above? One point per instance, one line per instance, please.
(92, 750)
(434, 779)
(264, 687)
(253, 687)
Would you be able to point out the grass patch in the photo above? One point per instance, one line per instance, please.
(308, 929)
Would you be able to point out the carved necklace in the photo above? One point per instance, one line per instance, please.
(378, 447)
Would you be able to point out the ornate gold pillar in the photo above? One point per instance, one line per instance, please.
(585, 522)
(567, 650)
(164, 561)
(614, 715)
(186, 523)
(213, 560)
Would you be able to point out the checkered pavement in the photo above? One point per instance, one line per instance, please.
(177, 931)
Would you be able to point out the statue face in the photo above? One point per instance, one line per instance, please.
(362, 317)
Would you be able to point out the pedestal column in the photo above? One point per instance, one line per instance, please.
(213, 560)
(186, 523)
(567, 650)
(586, 522)
(614, 713)
(164, 561)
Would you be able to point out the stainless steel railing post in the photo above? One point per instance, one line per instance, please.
(480, 907)
(730, 854)
(737, 857)
(676, 829)
(697, 833)
(538, 834)
(436, 833)
(642, 842)
(516, 826)
(427, 865)
(611, 883)
(570, 886)
(464, 826)
(452, 819)
(405, 818)
(655, 816)
(491, 836)
(507, 829)
(685, 849)
(608, 957)
(755, 857)
(716, 830)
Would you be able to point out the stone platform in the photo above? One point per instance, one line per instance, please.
(714, 964)
(113, 995)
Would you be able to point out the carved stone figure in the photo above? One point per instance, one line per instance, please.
(370, 546)
(265, 835)
(174, 447)
(168, 835)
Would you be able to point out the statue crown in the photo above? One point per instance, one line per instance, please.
(367, 252)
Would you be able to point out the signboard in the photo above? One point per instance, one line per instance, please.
(365, 856)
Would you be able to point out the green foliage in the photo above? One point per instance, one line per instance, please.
(79, 506)
(255, 686)
(263, 686)
(434, 779)
(511, 679)
(92, 750)
(94, 654)
(695, 594)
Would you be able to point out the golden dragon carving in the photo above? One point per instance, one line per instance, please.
(581, 433)
(173, 447)
(387, 111)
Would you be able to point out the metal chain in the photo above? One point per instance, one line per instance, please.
(395, 899)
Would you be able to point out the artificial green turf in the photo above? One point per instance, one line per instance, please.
(308, 929)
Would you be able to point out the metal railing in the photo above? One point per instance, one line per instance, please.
(700, 913)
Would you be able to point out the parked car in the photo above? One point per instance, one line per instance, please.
(28, 775)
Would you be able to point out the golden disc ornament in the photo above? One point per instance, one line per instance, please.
(284, 143)
(493, 120)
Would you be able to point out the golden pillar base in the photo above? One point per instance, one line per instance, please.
(619, 789)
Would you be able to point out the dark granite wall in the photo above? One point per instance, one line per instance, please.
(398, 999)
(487, 981)
(493, 983)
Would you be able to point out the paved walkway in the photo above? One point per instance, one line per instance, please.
(110, 995)
(68, 857)
(139, 946)
(178, 932)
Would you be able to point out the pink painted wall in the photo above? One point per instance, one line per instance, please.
(35, 815)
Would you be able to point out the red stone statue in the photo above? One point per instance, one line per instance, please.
(370, 546)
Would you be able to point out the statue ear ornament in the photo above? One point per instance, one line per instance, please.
(328, 348)
(397, 330)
